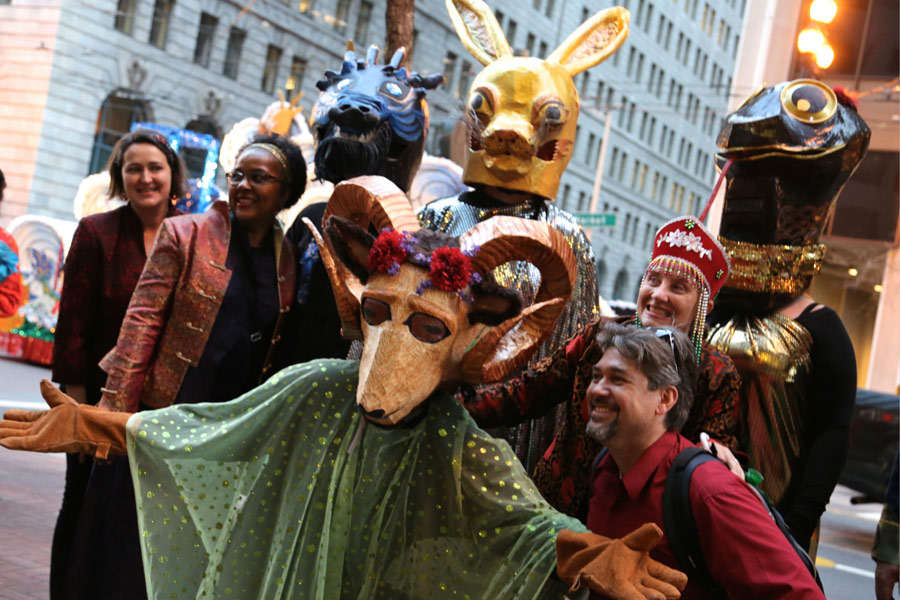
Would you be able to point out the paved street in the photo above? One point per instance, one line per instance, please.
(31, 489)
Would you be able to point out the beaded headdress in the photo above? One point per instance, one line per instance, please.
(683, 247)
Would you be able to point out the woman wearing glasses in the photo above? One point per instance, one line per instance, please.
(688, 267)
(204, 322)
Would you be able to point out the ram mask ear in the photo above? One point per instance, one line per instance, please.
(355, 206)
(594, 41)
(478, 30)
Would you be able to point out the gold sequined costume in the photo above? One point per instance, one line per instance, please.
(772, 355)
(458, 214)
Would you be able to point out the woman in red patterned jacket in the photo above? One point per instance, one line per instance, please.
(687, 269)
(102, 267)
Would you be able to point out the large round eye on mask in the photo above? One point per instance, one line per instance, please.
(809, 101)
(480, 105)
(426, 328)
(375, 312)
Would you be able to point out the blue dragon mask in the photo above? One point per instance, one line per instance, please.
(371, 119)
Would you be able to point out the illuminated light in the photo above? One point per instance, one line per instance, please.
(852, 272)
(879, 288)
(825, 56)
(810, 40)
(823, 11)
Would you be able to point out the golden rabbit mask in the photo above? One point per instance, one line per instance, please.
(523, 112)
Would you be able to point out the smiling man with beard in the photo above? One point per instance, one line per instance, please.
(640, 395)
(687, 269)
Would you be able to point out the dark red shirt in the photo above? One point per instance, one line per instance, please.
(101, 271)
(745, 552)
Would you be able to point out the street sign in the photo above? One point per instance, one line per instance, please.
(596, 219)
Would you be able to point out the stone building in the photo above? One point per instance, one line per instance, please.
(75, 74)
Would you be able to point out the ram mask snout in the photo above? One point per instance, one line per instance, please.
(425, 303)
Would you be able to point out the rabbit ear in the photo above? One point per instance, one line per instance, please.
(594, 41)
(478, 30)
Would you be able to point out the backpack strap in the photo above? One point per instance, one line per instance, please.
(678, 518)
(805, 558)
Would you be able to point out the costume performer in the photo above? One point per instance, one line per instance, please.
(339, 479)
(793, 147)
(370, 119)
(522, 116)
(688, 262)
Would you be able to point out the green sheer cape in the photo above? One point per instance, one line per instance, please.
(282, 493)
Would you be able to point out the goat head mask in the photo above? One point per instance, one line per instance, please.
(425, 303)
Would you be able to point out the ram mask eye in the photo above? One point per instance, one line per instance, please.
(481, 105)
(375, 312)
(809, 101)
(342, 84)
(553, 114)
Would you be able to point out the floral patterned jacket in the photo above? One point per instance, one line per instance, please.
(563, 474)
(174, 307)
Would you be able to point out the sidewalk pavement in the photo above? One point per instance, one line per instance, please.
(31, 487)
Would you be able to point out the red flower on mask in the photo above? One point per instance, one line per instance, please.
(450, 269)
(387, 253)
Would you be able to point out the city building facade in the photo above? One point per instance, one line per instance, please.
(74, 75)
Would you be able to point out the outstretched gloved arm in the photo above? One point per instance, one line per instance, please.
(617, 568)
(67, 427)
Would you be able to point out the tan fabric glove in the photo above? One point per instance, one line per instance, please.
(66, 427)
(618, 568)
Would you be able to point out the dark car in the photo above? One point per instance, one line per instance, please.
(874, 436)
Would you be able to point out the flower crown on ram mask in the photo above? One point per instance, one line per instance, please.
(449, 268)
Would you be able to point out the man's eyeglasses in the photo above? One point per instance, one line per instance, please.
(255, 178)
(666, 334)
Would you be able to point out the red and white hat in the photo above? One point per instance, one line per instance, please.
(684, 247)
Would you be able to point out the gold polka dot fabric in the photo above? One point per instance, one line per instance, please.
(282, 493)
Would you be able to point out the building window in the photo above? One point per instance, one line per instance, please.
(542, 53)
(118, 111)
(306, 6)
(124, 15)
(529, 43)
(270, 72)
(465, 79)
(511, 27)
(620, 284)
(449, 68)
(236, 39)
(159, 30)
(548, 9)
(592, 139)
(205, 35)
(295, 79)
(341, 14)
(361, 34)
